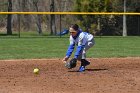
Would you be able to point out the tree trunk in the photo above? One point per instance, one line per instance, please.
(38, 18)
(124, 21)
(99, 25)
(52, 21)
(39, 24)
(9, 18)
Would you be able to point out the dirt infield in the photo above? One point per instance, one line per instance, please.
(105, 75)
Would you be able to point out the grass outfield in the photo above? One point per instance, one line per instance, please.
(55, 47)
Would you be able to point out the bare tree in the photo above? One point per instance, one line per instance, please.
(9, 18)
(124, 21)
(35, 2)
(52, 21)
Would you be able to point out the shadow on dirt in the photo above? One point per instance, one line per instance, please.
(96, 69)
(89, 70)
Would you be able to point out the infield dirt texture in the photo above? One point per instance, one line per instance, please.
(104, 75)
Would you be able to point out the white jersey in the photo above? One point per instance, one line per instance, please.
(81, 39)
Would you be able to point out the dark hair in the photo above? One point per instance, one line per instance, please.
(75, 27)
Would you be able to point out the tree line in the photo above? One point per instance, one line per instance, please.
(109, 24)
(95, 24)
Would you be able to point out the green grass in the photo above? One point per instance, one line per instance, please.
(116, 47)
(55, 47)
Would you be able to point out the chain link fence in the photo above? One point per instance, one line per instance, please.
(44, 25)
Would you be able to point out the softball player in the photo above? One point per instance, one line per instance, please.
(83, 41)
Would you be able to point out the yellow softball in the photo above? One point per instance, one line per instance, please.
(36, 71)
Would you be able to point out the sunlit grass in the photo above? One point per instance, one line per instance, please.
(55, 47)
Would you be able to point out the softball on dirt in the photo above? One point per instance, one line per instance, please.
(36, 71)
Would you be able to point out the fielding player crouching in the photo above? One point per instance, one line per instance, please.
(83, 41)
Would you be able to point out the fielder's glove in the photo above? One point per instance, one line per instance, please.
(71, 64)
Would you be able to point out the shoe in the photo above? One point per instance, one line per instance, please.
(81, 69)
(84, 62)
